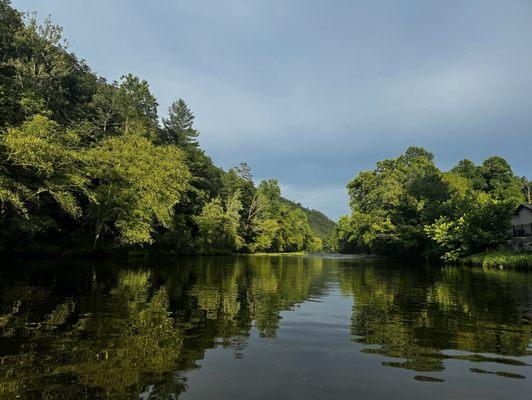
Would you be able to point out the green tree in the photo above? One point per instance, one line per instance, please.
(346, 236)
(10, 24)
(260, 220)
(42, 76)
(471, 172)
(482, 225)
(178, 126)
(407, 206)
(134, 184)
(391, 204)
(232, 182)
(294, 233)
(103, 117)
(500, 179)
(219, 225)
(86, 161)
(136, 105)
(41, 175)
(205, 182)
(244, 171)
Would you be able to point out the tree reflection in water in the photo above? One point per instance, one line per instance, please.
(415, 314)
(117, 330)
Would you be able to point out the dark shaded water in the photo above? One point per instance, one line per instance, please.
(262, 327)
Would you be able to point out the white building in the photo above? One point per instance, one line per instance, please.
(522, 221)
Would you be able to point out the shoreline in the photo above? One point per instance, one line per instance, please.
(500, 259)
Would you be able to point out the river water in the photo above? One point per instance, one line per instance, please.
(262, 327)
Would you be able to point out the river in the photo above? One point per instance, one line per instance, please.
(262, 327)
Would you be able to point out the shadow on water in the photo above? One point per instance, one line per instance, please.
(124, 329)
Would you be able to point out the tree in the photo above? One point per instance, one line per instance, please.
(205, 183)
(136, 105)
(482, 224)
(471, 172)
(41, 174)
(178, 126)
(134, 185)
(260, 220)
(271, 192)
(294, 233)
(42, 76)
(407, 206)
(103, 116)
(500, 179)
(10, 24)
(232, 182)
(86, 162)
(218, 225)
(391, 204)
(414, 152)
(343, 239)
(265, 232)
(244, 171)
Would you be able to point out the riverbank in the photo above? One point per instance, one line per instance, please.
(109, 253)
(502, 259)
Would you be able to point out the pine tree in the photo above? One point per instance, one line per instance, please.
(178, 127)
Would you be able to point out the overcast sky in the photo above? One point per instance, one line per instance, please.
(313, 91)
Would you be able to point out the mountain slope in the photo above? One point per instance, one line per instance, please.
(319, 222)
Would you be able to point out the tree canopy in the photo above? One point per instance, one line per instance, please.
(87, 166)
(407, 206)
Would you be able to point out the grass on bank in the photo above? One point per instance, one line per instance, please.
(501, 259)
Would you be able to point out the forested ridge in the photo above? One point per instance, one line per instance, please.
(321, 225)
(88, 166)
(408, 207)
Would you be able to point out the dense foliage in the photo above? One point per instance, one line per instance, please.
(408, 207)
(86, 165)
(320, 223)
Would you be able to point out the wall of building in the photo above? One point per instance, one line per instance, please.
(523, 221)
(524, 217)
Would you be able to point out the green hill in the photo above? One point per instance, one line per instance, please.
(320, 223)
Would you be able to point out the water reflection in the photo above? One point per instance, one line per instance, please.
(124, 329)
(415, 314)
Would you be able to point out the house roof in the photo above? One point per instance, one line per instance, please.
(527, 206)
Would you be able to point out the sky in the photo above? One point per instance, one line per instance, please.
(311, 92)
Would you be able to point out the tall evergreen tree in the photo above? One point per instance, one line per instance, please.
(178, 126)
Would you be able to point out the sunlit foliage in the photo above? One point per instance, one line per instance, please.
(87, 166)
(407, 206)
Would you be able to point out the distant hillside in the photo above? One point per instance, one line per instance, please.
(320, 223)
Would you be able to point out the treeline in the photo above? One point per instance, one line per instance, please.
(86, 165)
(407, 207)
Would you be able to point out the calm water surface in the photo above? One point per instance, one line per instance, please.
(262, 327)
